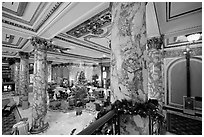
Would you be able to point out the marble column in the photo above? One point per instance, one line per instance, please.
(154, 67)
(128, 44)
(17, 76)
(49, 70)
(39, 108)
(24, 79)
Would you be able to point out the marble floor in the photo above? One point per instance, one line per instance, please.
(60, 123)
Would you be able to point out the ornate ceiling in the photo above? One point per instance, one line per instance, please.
(22, 20)
(83, 29)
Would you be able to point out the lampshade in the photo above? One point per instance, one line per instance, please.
(193, 37)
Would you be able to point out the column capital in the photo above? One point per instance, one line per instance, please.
(23, 54)
(40, 43)
(155, 42)
(17, 59)
(49, 62)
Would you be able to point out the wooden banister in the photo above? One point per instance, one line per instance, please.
(98, 123)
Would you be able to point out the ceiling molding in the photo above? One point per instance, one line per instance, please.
(82, 45)
(17, 46)
(54, 8)
(193, 29)
(9, 53)
(170, 17)
(75, 56)
(38, 11)
(17, 25)
(92, 25)
(84, 42)
(20, 11)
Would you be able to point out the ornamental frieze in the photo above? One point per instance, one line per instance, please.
(180, 53)
(93, 25)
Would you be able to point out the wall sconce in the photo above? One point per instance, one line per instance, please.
(193, 37)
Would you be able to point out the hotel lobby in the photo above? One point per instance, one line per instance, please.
(101, 68)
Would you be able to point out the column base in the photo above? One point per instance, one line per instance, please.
(39, 130)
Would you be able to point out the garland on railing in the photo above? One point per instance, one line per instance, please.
(149, 108)
(143, 109)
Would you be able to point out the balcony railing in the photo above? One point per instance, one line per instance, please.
(109, 124)
(106, 125)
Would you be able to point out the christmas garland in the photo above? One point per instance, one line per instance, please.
(149, 108)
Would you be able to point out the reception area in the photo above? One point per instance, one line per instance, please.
(101, 68)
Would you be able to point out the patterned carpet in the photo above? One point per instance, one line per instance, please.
(184, 126)
(7, 123)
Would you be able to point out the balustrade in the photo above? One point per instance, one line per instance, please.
(108, 121)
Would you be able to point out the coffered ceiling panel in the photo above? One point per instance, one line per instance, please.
(16, 8)
(177, 18)
(9, 54)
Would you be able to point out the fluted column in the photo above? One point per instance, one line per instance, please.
(128, 43)
(49, 69)
(154, 61)
(39, 108)
(17, 76)
(24, 79)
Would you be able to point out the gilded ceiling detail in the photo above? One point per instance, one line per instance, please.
(93, 25)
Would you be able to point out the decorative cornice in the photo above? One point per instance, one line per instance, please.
(56, 6)
(155, 42)
(9, 53)
(72, 64)
(180, 53)
(17, 25)
(16, 47)
(182, 44)
(38, 11)
(74, 56)
(82, 45)
(92, 25)
(21, 8)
